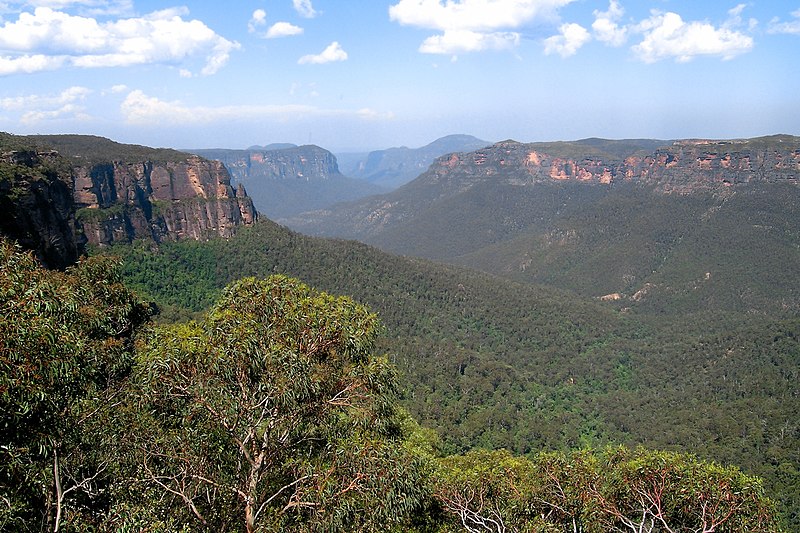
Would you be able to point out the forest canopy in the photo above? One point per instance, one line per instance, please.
(275, 411)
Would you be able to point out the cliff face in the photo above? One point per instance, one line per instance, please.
(162, 201)
(683, 167)
(59, 192)
(37, 207)
(294, 163)
(286, 181)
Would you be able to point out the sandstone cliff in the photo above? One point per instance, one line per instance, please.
(684, 166)
(287, 181)
(36, 207)
(162, 201)
(59, 192)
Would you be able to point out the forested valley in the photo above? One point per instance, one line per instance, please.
(274, 409)
(258, 379)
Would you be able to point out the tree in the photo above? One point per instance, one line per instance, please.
(65, 344)
(273, 412)
(618, 489)
(485, 490)
(645, 490)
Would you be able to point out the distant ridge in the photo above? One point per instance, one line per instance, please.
(394, 167)
(285, 179)
(607, 218)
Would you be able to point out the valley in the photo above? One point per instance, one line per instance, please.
(533, 297)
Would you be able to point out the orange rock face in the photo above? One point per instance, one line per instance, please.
(191, 199)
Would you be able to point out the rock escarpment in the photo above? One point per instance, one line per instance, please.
(162, 201)
(58, 193)
(684, 166)
(36, 207)
(287, 181)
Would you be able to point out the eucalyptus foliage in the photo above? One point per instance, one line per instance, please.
(273, 412)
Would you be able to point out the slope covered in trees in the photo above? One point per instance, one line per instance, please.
(492, 363)
(273, 412)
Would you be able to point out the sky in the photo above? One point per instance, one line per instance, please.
(370, 74)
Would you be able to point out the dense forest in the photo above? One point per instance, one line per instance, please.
(275, 381)
(495, 364)
(273, 410)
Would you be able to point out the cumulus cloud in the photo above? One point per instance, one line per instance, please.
(304, 8)
(46, 107)
(333, 52)
(667, 35)
(792, 27)
(606, 25)
(48, 39)
(258, 18)
(570, 38)
(140, 109)
(471, 25)
(282, 29)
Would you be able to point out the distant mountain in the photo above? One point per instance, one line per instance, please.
(290, 179)
(271, 146)
(394, 167)
(615, 219)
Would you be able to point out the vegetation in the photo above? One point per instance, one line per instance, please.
(496, 364)
(274, 413)
(92, 149)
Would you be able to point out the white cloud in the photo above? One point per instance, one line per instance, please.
(472, 25)
(258, 18)
(121, 88)
(666, 35)
(570, 38)
(793, 27)
(304, 8)
(47, 107)
(141, 109)
(283, 29)
(370, 114)
(27, 64)
(71, 111)
(47, 39)
(84, 7)
(455, 41)
(333, 52)
(66, 96)
(606, 27)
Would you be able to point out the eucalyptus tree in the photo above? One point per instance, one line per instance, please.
(65, 347)
(271, 413)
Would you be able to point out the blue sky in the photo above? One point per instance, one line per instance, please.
(369, 74)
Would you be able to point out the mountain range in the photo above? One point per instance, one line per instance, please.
(632, 221)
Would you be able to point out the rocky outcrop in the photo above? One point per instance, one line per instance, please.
(302, 163)
(287, 181)
(90, 189)
(683, 166)
(37, 207)
(161, 201)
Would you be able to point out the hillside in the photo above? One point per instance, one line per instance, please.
(394, 167)
(488, 362)
(285, 180)
(686, 226)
